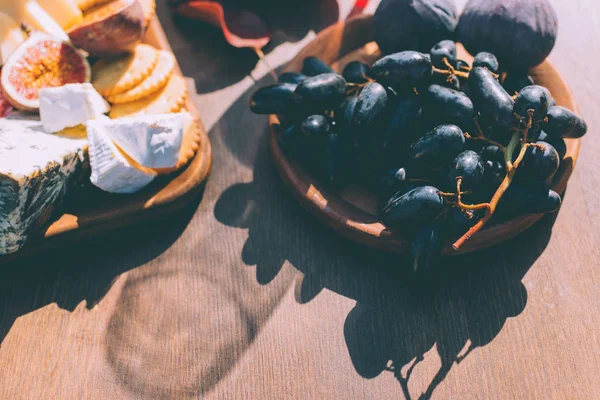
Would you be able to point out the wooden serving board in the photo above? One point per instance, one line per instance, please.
(353, 210)
(91, 210)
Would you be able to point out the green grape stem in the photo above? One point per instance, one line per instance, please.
(511, 169)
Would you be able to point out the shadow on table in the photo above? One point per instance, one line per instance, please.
(204, 54)
(397, 318)
(85, 270)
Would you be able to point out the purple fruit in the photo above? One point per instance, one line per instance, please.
(521, 33)
(413, 24)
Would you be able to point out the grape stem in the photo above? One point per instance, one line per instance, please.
(484, 139)
(511, 169)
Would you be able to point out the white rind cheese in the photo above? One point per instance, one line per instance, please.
(36, 169)
(153, 141)
(111, 171)
(70, 105)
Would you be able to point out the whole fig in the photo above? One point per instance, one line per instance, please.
(521, 33)
(400, 25)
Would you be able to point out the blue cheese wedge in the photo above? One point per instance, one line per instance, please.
(36, 169)
(153, 141)
(112, 170)
(70, 105)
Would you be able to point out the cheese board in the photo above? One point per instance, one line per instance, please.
(88, 210)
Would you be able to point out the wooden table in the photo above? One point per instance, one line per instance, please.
(243, 296)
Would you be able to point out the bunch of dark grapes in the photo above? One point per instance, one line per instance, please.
(446, 145)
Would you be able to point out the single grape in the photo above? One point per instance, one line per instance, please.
(492, 153)
(563, 122)
(494, 172)
(291, 77)
(346, 114)
(426, 247)
(401, 70)
(486, 60)
(422, 204)
(532, 98)
(529, 200)
(449, 106)
(313, 66)
(469, 166)
(403, 123)
(357, 72)
(515, 81)
(273, 99)
(369, 113)
(438, 147)
(539, 165)
(557, 142)
(490, 98)
(314, 129)
(446, 49)
(321, 92)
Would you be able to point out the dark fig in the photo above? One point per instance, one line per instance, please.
(521, 33)
(413, 24)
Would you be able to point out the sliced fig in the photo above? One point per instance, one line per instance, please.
(41, 61)
(110, 29)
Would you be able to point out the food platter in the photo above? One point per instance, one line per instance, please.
(352, 211)
(89, 210)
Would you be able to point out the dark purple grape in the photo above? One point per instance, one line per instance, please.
(515, 81)
(458, 222)
(469, 166)
(520, 33)
(462, 65)
(492, 153)
(539, 165)
(444, 50)
(273, 99)
(313, 66)
(407, 69)
(563, 122)
(403, 123)
(422, 204)
(490, 98)
(557, 142)
(291, 77)
(321, 92)
(449, 106)
(369, 113)
(314, 129)
(346, 114)
(529, 200)
(413, 24)
(532, 98)
(357, 72)
(438, 147)
(486, 60)
(426, 247)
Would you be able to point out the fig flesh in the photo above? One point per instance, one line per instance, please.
(41, 61)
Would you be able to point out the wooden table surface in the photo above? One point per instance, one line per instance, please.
(243, 296)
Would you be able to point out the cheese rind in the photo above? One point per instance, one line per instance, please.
(70, 105)
(111, 171)
(36, 169)
(153, 141)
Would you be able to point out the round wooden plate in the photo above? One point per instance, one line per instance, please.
(352, 211)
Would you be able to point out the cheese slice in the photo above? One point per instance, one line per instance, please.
(70, 105)
(111, 170)
(153, 141)
(30, 13)
(36, 170)
(65, 12)
(11, 36)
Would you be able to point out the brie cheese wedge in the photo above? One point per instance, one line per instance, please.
(70, 105)
(153, 141)
(36, 170)
(113, 171)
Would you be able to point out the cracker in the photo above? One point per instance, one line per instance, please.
(167, 100)
(149, 7)
(120, 75)
(158, 78)
(189, 145)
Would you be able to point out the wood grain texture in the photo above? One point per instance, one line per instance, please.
(245, 296)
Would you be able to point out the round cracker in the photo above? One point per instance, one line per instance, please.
(158, 78)
(189, 145)
(119, 75)
(168, 99)
(149, 7)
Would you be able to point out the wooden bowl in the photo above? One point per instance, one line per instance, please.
(352, 211)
